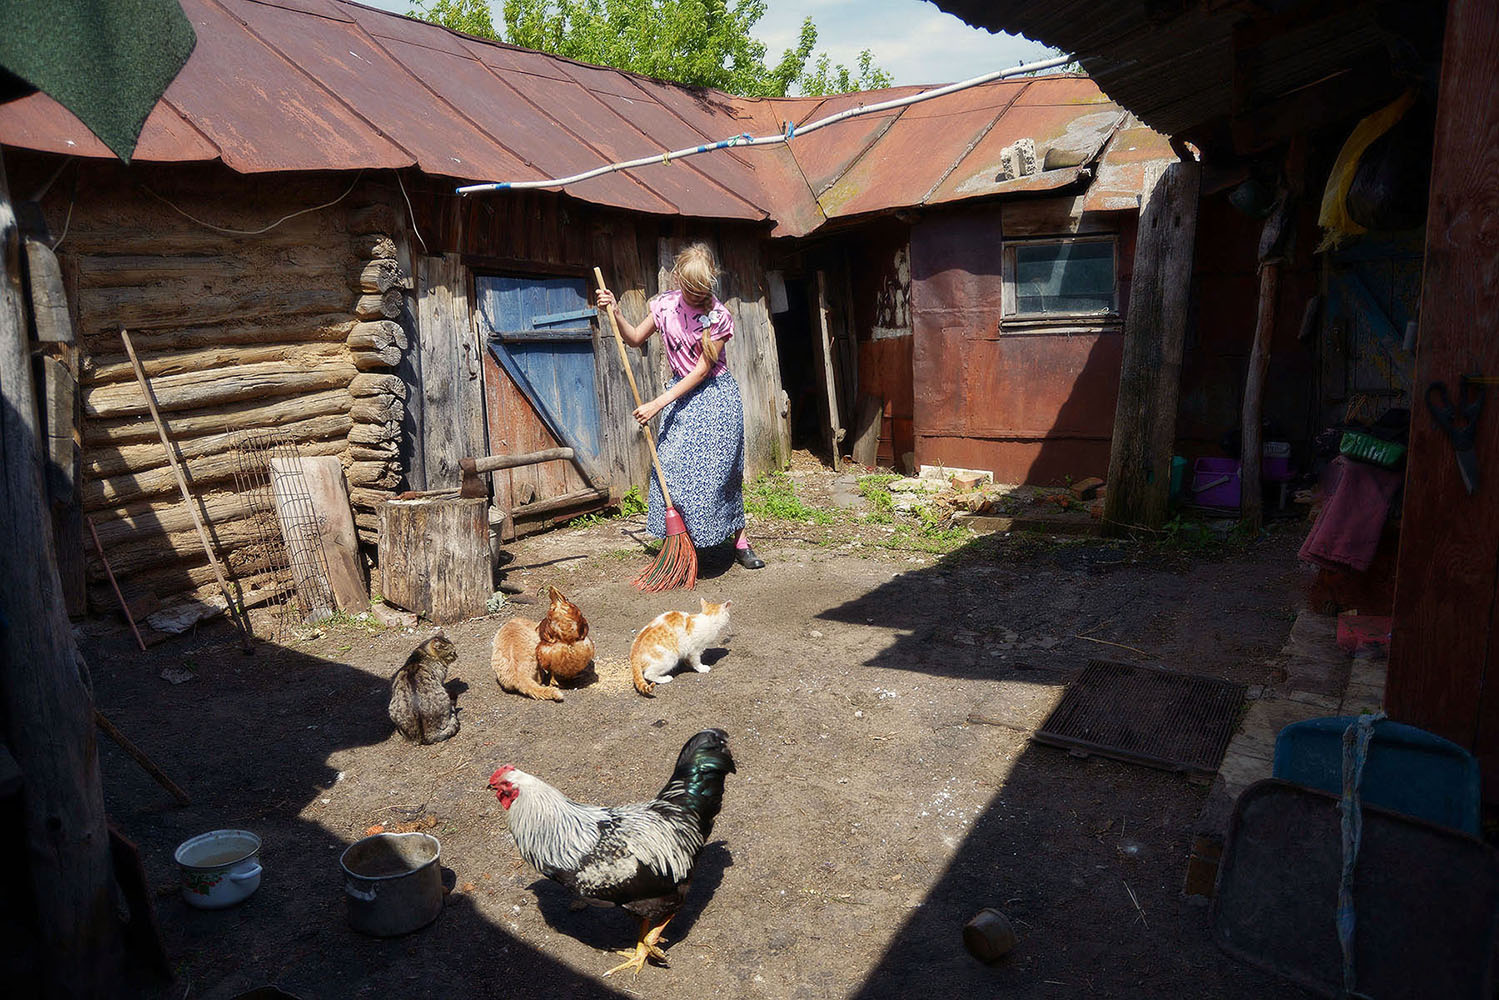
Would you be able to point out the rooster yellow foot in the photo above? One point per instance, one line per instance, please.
(645, 947)
(637, 958)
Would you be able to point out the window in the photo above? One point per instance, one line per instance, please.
(1069, 277)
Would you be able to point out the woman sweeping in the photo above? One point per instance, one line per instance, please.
(701, 441)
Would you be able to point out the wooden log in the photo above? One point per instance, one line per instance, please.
(241, 416)
(1139, 480)
(379, 475)
(361, 496)
(191, 390)
(151, 550)
(271, 330)
(109, 234)
(62, 836)
(434, 557)
(120, 490)
(377, 384)
(374, 453)
(386, 305)
(206, 271)
(374, 246)
(103, 463)
(119, 525)
(387, 357)
(372, 434)
(215, 359)
(380, 275)
(377, 410)
(377, 335)
(377, 218)
(1251, 501)
(153, 309)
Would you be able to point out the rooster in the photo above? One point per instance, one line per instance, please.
(637, 856)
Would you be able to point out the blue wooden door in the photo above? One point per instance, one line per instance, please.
(538, 330)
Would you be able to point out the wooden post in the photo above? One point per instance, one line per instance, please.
(44, 700)
(1139, 483)
(1251, 503)
(1445, 648)
(452, 387)
(434, 556)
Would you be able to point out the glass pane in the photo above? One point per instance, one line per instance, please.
(1064, 277)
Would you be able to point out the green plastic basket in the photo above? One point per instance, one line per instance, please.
(1368, 448)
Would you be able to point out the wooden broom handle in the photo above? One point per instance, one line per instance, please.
(624, 357)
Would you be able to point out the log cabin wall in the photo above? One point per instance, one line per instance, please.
(238, 331)
(539, 233)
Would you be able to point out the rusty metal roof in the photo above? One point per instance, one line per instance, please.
(282, 85)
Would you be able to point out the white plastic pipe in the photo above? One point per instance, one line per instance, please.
(791, 131)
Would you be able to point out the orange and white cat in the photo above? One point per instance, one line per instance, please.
(672, 638)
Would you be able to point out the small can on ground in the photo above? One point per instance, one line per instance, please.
(989, 936)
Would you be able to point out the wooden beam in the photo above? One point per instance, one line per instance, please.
(1446, 634)
(44, 698)
(1139, 482)
(829, 361)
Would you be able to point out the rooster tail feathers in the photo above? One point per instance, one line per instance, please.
(697, 782)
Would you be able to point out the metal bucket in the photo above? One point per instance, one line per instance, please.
(393, 883)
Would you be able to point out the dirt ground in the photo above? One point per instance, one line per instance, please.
(869, 818)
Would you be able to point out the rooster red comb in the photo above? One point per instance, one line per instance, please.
(499, 774)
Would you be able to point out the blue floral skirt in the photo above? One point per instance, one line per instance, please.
(701, 448)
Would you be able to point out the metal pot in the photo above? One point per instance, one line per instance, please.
(392, 882)
(220, 868)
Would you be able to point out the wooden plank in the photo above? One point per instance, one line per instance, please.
(44, 698)
(452, 387)
(49, 299)
(1446, 637)
(325, 483)
(62, 480)
(1139, 477)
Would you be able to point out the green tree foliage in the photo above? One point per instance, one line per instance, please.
(706, 43)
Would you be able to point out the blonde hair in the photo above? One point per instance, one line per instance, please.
(696, 273)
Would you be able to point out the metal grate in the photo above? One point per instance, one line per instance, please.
(285, 559)
(1180, 722)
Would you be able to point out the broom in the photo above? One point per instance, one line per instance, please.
(676, 563)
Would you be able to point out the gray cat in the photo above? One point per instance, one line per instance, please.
(419, 705)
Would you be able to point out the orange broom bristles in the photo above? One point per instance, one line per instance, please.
(676, 563)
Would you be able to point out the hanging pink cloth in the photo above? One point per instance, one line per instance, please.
(1346, 532)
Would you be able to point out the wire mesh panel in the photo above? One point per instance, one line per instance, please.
(286, 557)
(1181, 722)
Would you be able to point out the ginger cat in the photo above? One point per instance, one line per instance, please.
(672, 638)
(530, 657)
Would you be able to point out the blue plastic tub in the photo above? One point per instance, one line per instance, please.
(1409, 770)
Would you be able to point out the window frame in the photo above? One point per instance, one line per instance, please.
(1009, 311)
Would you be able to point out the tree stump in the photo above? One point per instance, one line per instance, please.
(434, 556)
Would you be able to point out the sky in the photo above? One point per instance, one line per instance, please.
(911, 40)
